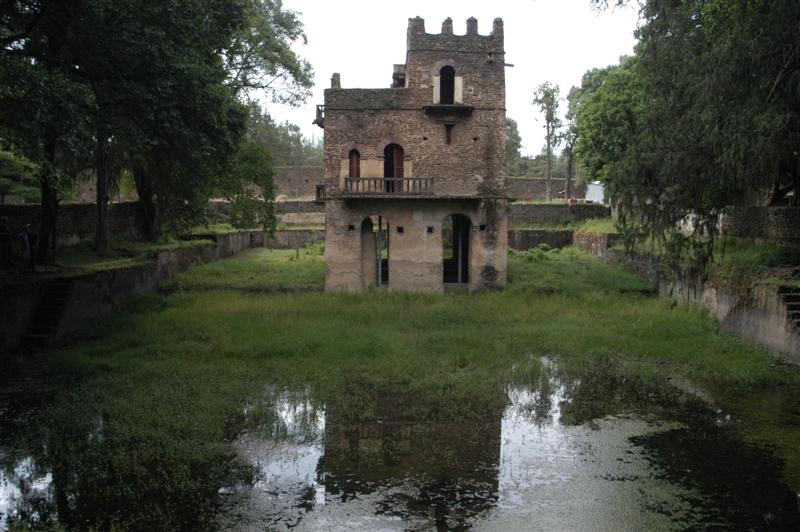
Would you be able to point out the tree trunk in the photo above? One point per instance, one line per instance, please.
(103, 182)
(147, 203)
(547, 186)
(46, 249)
(47, 237)
(568, 192)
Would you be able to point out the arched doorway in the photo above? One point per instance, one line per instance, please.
(393, 157)
(455, 249)
(374, 251)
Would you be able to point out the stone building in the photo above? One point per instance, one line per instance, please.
(414, 174)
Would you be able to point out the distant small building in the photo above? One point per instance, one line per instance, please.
(414, 175)
(595, 192)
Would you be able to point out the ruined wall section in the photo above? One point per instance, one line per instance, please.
(297, 181)
(772, 223)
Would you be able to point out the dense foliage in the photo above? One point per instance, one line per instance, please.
(157, 90)
(285, 142)
(519, 165)
(705, 115)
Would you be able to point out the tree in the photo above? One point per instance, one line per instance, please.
(285, 142)
(159, 83)
(608, 124)
(157, 90)
(513, 147)
(259, 56)
(720, 123)
(249, 187)
(570, 137)
(590, 82)
(43, 108)
(546, 97)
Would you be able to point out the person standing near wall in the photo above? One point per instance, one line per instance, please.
(5, 242)
(25, 249)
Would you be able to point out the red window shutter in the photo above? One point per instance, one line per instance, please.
(398, 161)
(355, 164)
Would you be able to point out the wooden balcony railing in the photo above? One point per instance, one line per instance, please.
(388, 185)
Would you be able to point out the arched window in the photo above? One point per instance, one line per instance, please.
(393, 158)
(447, 85)
(355, 163)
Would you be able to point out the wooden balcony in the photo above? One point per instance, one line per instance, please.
(382, 186)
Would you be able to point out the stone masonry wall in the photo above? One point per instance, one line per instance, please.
(297, 181)
(535, 188)
(758, 315)
(96, 294)
(77, 222)
(473, 161)
(521, 240)
(773, 223)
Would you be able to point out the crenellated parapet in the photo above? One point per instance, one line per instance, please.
(472, 41)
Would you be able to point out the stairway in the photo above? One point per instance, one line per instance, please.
(47, 317)
(790, 295)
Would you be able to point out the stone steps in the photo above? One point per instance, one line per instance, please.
(783, 290)
(48, 314)
(790, 295)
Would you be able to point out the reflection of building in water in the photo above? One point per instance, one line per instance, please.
(453, 466)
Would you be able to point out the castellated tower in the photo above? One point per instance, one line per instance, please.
(414, 182)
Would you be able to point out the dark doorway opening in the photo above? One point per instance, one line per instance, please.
(375, 251)
(455, 242)
(393, 158)
(447, 85)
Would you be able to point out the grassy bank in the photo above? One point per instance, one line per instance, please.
(259, 270)
(166, 386)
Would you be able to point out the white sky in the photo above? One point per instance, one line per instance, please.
(545, 40)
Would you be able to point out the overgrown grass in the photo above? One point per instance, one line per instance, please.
(215, 229)
(525, 226)
(741, 263)
(259, 269)
(568, 271)
(299, 227)
(167, 380)
(598, 225)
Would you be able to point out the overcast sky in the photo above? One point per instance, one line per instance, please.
(545, 40)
